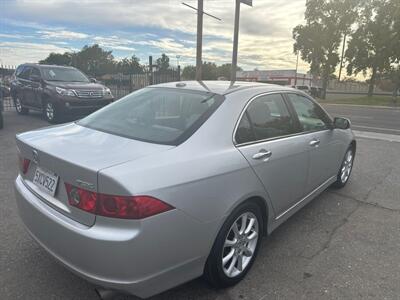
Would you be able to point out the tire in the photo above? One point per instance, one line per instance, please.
(50, 112)
(19, 108)
(220, 274)
(1, 120)
(345, 169)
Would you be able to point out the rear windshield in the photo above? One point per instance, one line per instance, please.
(157, 115)
(63, 74)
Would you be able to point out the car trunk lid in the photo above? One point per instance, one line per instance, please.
(75, 155)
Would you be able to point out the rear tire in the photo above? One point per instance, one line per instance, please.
(19, 108)
(50, 112)
(345, 169)
(1, 120)
(235, 247)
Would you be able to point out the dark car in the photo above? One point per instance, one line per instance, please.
(57, 91)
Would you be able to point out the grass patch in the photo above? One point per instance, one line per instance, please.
(357, 100)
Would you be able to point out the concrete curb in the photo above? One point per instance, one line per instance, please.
(364, 106)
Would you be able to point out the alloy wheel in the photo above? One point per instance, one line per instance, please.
(18, 105)
(49, 111)
(240, 244)
(347, 166)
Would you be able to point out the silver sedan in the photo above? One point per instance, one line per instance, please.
(177, 180)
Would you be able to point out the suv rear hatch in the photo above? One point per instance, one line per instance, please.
(74, 154)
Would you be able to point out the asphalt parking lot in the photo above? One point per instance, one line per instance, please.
(343, 245)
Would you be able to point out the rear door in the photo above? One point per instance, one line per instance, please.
(267, 137)
(316, 127)
(36, 88)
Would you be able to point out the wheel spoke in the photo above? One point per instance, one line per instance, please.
(229, 243)
(232, 265)
(240, 263)
(228, 256)
(243, 226)
(252, 236)
(250, 226)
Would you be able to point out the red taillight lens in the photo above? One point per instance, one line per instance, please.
(123, 207)
(81, 198)
(24, 164)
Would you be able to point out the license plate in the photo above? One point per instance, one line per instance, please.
(46, 181)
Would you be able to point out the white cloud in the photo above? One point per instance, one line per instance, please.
(63, 34)
(15, 53)
(265, 29)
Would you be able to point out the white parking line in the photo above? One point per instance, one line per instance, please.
(376, 128)
(377, 136)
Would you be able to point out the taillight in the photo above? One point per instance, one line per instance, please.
(24, 164)
(123, 207)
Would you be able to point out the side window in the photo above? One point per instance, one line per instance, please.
(18, 71)
(35, 72)
(267, 117)
(311, 116)
(244, 133)
(25, 73)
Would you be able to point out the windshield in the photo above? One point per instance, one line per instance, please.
(157, 115)
(63, 74)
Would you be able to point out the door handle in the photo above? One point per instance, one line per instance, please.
(315, 143)
(263, 154)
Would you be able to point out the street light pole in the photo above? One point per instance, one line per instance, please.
(297, 67)
(235, 41)
(236, 37)
(199, 39)
(341, 60)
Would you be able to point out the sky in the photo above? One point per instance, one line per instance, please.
(31, 29)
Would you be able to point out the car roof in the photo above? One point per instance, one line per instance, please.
(42, 65)
(222, 87)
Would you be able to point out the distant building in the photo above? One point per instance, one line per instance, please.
(281, 77)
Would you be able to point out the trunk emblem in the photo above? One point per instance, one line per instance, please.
(75, 196)
(85, 185)
(35, 156)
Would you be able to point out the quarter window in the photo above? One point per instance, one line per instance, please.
(266, 117)
(311, 116)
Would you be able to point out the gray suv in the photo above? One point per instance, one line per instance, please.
(57, 91)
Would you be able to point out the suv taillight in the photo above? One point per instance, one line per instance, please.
(23, 164)
(123, 207)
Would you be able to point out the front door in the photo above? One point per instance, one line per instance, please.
(317, 130)
(266, 136)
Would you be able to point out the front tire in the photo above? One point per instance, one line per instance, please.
(235, 247)
(50, 112)
(345, 169)
(19, 108)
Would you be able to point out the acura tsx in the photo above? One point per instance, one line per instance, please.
(177, 180)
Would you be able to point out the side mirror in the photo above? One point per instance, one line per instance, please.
(341, 123)
(93, 80)
(35, 78)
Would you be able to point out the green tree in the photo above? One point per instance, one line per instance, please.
(189, 73)
(64, 59)
(209, 71)
(94, 60)
(163, 62)
(371, 45)
(319, 39)
(225, 71)
(130, 66)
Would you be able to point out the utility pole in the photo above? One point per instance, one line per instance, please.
(199, 50)
(236, 37)
(341, 60)
(297, 67)
(200, 13)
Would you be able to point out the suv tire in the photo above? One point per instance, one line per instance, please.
(50, 112)
(19, 108)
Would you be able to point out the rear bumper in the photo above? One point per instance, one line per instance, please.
(142, 258)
